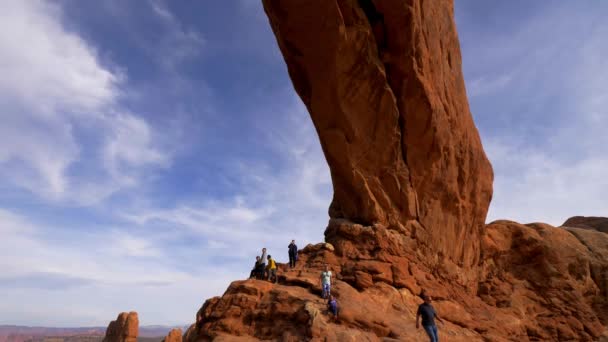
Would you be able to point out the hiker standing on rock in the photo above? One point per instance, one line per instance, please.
(272, 269)
(293, 253)
(428, 314)
(326, 282)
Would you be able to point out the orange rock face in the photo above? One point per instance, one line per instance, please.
(124, 329)
(551, 281)
(373, 310)
(537, 283)
(382, 82)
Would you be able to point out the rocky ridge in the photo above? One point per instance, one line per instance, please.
(594, 223)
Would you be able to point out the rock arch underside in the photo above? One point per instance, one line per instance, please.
(383, 84)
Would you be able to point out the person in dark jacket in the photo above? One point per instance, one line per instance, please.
(293, 253)
(428, 314)
(255, 272)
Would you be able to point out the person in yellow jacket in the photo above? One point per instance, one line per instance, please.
(271, 269)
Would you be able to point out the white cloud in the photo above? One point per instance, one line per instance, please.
(484, 85)
(128, 245)
(533, 186)
(177, 43)
(46, 67)
(129, 144)
(275, 202)
(53, 88)
(559, 172)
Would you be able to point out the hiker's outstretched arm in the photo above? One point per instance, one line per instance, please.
(438, 318)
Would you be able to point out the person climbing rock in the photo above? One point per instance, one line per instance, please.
(271, 269)
(332, 307)
(326, 282)
(428, 314)
(256, 268)
(293, 253)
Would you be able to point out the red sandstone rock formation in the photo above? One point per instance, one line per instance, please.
(596, 223)
(383, 84)
(124, 329)
(382, 81)
(175, 335)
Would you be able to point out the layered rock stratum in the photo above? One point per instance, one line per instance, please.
(124, 329)
(383, 84)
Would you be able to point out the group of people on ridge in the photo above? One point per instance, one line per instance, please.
(268, 271)
(265, 268)
(261, 270)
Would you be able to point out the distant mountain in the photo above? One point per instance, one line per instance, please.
(16, 333)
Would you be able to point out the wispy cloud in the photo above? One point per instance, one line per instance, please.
(544, 129)
(532, 186)
(60, 106)
(274, 203)
(484, 85)
(177, 43)
(122, 270)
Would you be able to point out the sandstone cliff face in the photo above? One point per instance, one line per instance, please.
(383, 84)
(550, 281)
(124, 329)
(373, 310)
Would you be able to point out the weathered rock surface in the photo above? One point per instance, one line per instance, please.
(552, 281)
(124, 329)
(596, 223)
(175, 335)
(253, 310)
(383, 84)
(537, 283)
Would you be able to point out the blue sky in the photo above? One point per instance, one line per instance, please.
(148, 149)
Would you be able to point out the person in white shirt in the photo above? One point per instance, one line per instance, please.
(325, 279)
